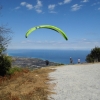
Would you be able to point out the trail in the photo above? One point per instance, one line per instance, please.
(76, 82)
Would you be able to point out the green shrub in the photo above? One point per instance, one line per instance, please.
(89, 58)
(94, 55)
(14, 69)
(5, 64)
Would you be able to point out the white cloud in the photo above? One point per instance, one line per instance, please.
(83, 43)
(53, 12)
(60, 3)
(99, 8)
(85, 1)
(38, 10)
(67, 1)
(23, 3)
(29, 6)
(84, 39)
(51, 7)
(64, 2)
(96, 3)
(38, 6)
(76, 7)
(27, 41)
(17, 8)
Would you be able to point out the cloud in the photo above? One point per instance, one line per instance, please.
(84, 39)
(75, 7)
(99, 8)
(36, 42)
(85, 1)
(38, 10)
(60, 3)
(78, 44)
(27, 41)
(64, 2)
(29, 6)
(51, 7)
(98, 2)
(95, 3)
(53, 12)
(38, 6)
(17, 8)
(23, 3)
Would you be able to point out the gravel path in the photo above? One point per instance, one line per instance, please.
(76, 82)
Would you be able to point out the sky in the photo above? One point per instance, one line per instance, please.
(79, 19)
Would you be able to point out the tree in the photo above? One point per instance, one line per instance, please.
(94, 55)
(5, 64)
(5, 61)
(4, 37)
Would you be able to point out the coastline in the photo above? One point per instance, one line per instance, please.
(31, 63)
(58, 56)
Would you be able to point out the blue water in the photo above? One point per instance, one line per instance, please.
(59, 56)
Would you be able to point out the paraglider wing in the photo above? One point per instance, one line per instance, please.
(48, 27)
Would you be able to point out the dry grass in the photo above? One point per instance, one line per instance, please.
(26, 85)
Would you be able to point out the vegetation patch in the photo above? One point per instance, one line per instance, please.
(94, 55)
(26, 85)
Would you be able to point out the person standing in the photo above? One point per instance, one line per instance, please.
(47, 62)
(78, 61)
(71, 60)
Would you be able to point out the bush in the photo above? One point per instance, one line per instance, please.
(94, 55)
(14, 69)
(5, 64)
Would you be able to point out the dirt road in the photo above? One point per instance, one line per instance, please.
(76, 82)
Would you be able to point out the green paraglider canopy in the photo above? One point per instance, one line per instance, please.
(48, 27)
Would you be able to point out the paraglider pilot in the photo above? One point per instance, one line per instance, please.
(47, 62)
(71, 60)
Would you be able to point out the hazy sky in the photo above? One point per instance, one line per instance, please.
(79, 19)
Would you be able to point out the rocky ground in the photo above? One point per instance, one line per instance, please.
(31, 62)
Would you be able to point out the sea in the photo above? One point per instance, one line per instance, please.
(58, 56)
